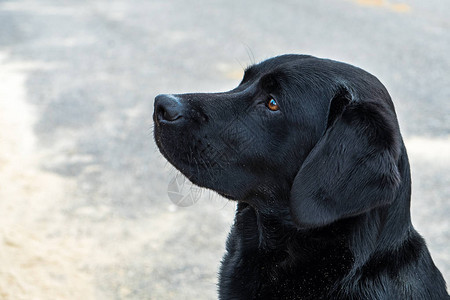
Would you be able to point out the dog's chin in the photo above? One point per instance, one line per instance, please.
(200, 174)
(203, 179)
(227, 196)
(198, 178)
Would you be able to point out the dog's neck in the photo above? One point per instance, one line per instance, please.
(381, 228)
(360, 237)
(267, 231)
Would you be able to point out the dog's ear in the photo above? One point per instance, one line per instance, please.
(353, 167)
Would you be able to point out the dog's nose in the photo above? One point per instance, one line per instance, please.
(168, 109)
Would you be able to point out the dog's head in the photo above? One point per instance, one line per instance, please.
(314, 136)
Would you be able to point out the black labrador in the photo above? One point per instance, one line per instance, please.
(311, 151)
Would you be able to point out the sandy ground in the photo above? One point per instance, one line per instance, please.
(36, 262)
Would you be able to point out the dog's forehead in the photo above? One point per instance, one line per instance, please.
(305, 64)
(317, 72)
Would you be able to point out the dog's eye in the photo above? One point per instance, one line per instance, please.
(272, 105)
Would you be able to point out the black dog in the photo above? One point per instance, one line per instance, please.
(311, 151)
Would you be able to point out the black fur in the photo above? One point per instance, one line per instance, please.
(322, 184)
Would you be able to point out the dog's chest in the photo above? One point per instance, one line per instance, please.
(256, 276)
(291, 270)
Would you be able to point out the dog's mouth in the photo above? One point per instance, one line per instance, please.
(201, 165)
(185, 154)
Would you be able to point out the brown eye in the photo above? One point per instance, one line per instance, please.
(272, 105)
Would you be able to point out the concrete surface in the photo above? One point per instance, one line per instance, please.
(84, 210)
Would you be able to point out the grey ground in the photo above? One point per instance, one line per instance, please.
(88, 72)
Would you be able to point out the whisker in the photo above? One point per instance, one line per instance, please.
(250, 54)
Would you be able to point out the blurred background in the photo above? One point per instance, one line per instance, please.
(84, 205)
